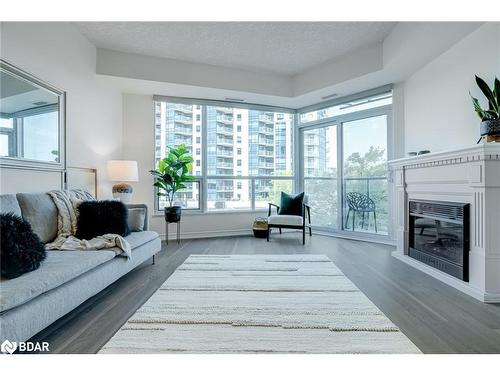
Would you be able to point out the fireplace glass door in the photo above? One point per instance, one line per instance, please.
(439, 236)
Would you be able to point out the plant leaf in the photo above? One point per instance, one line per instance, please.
(492, 102)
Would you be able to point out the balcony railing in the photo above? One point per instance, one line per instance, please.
(323, 198)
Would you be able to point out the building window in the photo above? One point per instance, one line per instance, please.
(198, 117)
(221, 167)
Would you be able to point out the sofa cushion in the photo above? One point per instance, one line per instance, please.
(285, 220)
(58, 268)
(136, 218)
(136, 239)
(40, 211)
(9, 203)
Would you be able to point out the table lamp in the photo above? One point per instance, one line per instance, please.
(123, 171)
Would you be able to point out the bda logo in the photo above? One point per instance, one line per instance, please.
(8, 346)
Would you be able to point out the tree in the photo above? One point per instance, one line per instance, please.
(372, 163)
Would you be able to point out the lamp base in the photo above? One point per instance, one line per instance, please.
(123, 192)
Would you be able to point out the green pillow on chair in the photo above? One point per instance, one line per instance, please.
(291, 204)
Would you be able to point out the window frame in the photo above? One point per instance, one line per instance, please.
(203, 179)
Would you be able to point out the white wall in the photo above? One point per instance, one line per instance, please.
(438, 111)
(138, 144)
(58, 54)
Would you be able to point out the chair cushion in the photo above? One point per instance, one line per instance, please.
(285, 220)
(39, 210)
(8, 203)
(291, 204)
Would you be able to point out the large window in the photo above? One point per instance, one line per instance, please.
(243, 156)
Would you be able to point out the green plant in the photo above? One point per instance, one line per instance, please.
(493, 96)
(173, 172)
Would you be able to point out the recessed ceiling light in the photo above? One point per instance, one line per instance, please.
(40, 103)
(329, 96)
(234, 99)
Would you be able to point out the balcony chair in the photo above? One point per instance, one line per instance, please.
(363, 204)
(290, 221)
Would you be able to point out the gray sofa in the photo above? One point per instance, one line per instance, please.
(65, 279)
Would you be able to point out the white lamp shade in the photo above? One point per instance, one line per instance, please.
(123, 170)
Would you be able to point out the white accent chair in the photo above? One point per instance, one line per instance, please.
(289, 221)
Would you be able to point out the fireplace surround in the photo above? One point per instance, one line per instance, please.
(467, 178)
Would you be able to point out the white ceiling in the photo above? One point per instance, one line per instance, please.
(284, 48)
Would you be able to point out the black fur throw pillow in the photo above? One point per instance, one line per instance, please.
(96, 218)
(21, 250)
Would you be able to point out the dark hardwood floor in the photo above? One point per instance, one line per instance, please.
(436, 317)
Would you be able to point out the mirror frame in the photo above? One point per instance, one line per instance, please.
(16, 162)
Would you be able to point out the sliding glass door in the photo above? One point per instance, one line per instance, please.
(344, 167)
(364, 174)
(320, 174)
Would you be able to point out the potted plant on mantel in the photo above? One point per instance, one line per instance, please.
(170, 176)
(490, 118)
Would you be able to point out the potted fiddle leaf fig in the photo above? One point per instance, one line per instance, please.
(170, 176)
(490, 118)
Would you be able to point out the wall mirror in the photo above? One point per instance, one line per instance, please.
(31, 120)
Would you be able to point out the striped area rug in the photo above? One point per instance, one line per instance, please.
(259, 304)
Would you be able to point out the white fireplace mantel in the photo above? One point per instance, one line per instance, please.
(468, 175)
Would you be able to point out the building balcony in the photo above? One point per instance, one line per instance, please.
(225, 110)
(224, 130)
(225, 141)
(266, 130)
(184, 109)
(266, 119)
(225, 120)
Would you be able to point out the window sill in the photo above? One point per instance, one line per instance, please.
(221, 212)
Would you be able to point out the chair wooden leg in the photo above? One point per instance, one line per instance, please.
(347, 219)
(280, 230)
(310, 231)
(303, 235)
(268, 230)
(375, 220)
(353, 219)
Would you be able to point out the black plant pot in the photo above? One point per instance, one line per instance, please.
(490, 127)
(173, 214)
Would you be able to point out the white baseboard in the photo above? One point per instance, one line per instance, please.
(450, 280)
(206, 234)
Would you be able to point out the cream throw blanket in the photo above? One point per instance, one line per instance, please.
(67, 202)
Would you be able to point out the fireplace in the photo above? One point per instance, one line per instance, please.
(439, 236)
